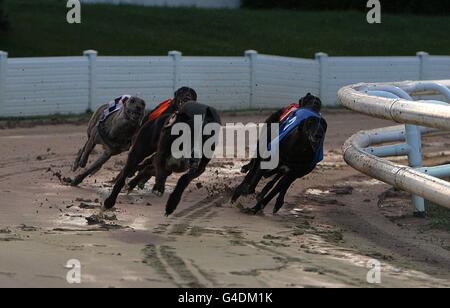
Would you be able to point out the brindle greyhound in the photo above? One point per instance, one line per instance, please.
(113, 126)
(297, 159)
(164, 164)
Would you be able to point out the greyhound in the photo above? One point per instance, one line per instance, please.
(113, 126)
(300, 151)
(163, 110)
(162, 164)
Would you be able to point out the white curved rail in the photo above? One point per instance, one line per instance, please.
(433, 114)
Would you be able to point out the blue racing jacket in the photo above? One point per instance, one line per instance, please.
(291, 123)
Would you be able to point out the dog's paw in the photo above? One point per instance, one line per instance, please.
(108, 204)
(249, 211)
(276, 210)
(246, 210)
(67, 181)
(168, 213)
(128, 189)
(253, 211)
(170, 210)
(157, 193)
(72, 182)
(245, 169)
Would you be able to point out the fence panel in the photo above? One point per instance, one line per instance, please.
(232, 4)
(148, 77)
(43, 86)
(343, 71)
(437, 68)
(222, 82)
(282, 80)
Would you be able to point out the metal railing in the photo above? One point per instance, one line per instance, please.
(394, 101)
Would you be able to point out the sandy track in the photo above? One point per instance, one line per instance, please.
(321, 238)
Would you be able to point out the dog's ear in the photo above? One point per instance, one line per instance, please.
(126, 101)
(144, 112)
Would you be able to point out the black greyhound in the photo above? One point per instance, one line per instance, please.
(298, 152)
(156, 137)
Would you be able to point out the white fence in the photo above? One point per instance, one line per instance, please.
(175, 3)
(42, 86)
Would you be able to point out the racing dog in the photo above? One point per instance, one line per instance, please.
(165, 109)
(156, 136)
(113, 126)
(300, 149)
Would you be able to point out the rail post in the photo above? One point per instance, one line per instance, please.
(322, 59)
(252, 56)
(423, 59)
(176, 57)
(92, 58)
(3, 69)
(414, 140)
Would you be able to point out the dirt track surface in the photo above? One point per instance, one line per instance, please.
(333, 223)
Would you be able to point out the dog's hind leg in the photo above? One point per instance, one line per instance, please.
(161, 171)
(146, 163)
(143, 177)
(282, 185)
(183, 183)
(95, 167)
(269, 186)
(280, 198)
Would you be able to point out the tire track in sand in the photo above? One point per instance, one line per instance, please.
(167, 262)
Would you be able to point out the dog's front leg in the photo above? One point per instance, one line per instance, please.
(76, 163)
(87, 150)
(244, 186)
(160, 181)
(97, 165)
(135, 157)
(182, 184)
(283, 191)
(255, 181)
(159, 163)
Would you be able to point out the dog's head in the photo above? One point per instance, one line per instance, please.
(314, 129)
(184, 95)
(134, 109)
(312, 102)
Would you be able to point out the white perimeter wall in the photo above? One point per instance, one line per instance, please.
(63, 85)
(190, 3)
